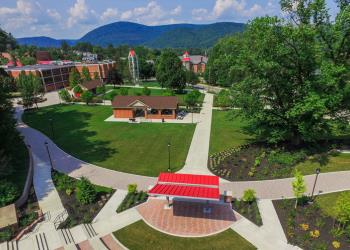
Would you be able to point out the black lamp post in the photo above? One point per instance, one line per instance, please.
(169, 145)
(48, 152)
(51, 126)
(318, 171)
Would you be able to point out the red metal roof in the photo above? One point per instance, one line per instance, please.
(187, 185)
(196, 192)
(189, 179)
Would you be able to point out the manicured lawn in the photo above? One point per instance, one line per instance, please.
(154, 92)
(226, 132)
(339, 162)
(133, 148)
(150, 84)
(140, 236)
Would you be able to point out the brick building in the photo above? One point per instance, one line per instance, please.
(56, 76)
(195, 63)
(149, 107)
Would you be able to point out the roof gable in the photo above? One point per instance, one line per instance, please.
(138, 103)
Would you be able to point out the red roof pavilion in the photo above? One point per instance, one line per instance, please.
(203, 187)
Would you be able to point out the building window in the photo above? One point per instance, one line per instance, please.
(152, 112)
(167, 112)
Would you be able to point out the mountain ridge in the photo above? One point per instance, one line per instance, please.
(160, 36)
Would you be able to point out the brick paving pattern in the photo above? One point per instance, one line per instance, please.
(187, 218)
(110, 243)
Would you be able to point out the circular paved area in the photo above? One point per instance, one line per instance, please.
(186, 218)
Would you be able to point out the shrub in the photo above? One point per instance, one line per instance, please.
(146, 91)
(337, 232)
(87, 97)
(249, 196)
(286, 158)
(168, 92)
(336, 244)
(315, 233)
(85, 193)
(100, 90)
(124, 91)
(78, 89)
(5, 234)
(132, 188)
(8, 193)
(65, 96)
(63, 182)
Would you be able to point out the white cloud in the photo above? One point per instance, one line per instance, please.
(240, 8)
(109, 14)
(77, 12)
(177, 11)
(151, 14)
(53, 14)
(200, 14)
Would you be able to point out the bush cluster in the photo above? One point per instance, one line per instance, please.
(8, 193)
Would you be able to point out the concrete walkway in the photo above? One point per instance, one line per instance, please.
(197, 157)
(48, 198)
(110, 208)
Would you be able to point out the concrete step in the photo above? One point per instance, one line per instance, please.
(11, 245)
(89, 230)
(41, 242)
(66, 236)
(96, 243)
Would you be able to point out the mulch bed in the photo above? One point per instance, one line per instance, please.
(248, 210)
(313, 219)
(78, 213)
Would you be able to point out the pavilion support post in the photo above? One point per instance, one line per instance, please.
(168, 205)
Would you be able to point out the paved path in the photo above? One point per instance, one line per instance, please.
(197, 157)
(48, 198)
(113, 203)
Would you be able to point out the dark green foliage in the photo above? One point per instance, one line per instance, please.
(192, 97)
(5, 234)
(147, 69)
(101, 90)
(169, 71)
(28, 60)
(85, 191)
(115, 78)
(8, 193)
(132, 199)
(77, 89)
(31, 89)
(63, 182)
(289, 75)
(191, 77)
(65, 96)
(85, 74)
(249, 196)
(124, 91)
(28, 219)
(286, 159)
(74, 78)
(146, 91)
(248, 210)
(223, 99)
(7, 41)
(87, 97)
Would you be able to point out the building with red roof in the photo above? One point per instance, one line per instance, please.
(195, 63)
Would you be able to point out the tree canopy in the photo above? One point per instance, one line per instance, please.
(290, 75)
(169, 71)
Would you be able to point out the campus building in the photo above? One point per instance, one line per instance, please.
(195, 63)
(148, 107)
(56, 75)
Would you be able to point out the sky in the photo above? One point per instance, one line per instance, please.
(71, 19)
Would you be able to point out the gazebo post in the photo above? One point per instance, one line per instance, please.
(167, 206)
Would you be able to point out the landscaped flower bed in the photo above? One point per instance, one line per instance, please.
(133, 198)
(310, 227)
(248, 210)
(259, 162)
(81, 199)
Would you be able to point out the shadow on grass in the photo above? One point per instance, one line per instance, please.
(70, 130)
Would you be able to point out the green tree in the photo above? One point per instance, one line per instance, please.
(65, 46)
(169, 71)
(223, 99)
(74, 78)
(87, 97)
(96, 76)
(65, 96)
(191, 98)
(293, 74)
(115, 78)
(299, 187)
(7, 41)
(31, 89)
(146, 69)
(146, 91)
(191, 77)
(28, 60)
(77, 90)
(85, 192)
(85, 74)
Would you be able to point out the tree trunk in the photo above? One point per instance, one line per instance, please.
(296, 203)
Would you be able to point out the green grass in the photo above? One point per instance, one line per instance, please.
(154, 92)
(150, 84)
(339, 162)
(140, 236)
(226, 132)
(327, 202)
(141, 149)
